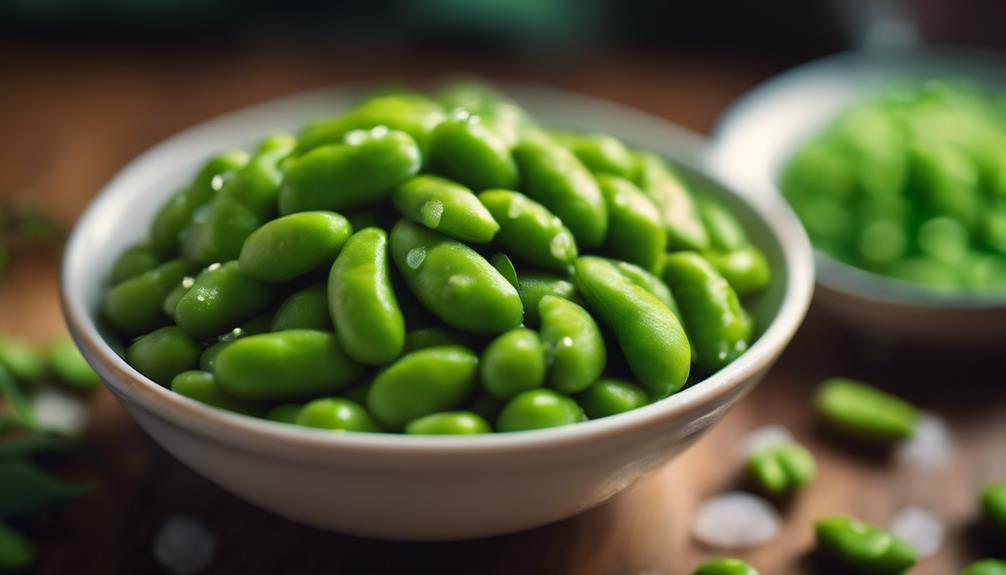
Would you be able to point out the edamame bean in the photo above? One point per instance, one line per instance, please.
(574, 349)
(133, 262)
(67, 363)
(725, 232)
(446, 207)
(364, 309)
(648, 282)
(285, 365)
(430, 337)
(534, 286)
(993, 503)
(719, 328)
(635, 232)
(171, 301)
(538, 409)
(745, 269)
(306, 308)
(359, 173)
(678, 212)
(611, 396)
(602, 154)
(650, 336)
(285, 413)
(202, 387)
(529, 231)
(136, 305)
(336, 414)
(864, 548)
(503, 116)
(221, 297)
(948, 181)
(449, 423)
(293, 245)
(259, 324)
(454, 282)
(467, 150)
(986, 567)
(552, 175)
(163, 354)
(174, 220)
(865, 412)
(21, 359)
(422, 383)
(413, 114)
(781, 468)
(725, 567)
(512, 363)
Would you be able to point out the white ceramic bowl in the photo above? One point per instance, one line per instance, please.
(419, 488)
(759, 133)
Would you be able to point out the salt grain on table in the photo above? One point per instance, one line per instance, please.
(735, 520)
(59, 412)
(930, 447)
(184, 545)
(920, 528)
(765, 437)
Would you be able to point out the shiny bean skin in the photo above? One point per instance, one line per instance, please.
(136, 306)
(293, 245)
(864, 548)
(601, 153)
(446, 207)
(528, 231)
(163, 354)
(512, 363)
(534, 286)
(471, 152)
(449, 423)
(306, 308)
(635, 232)
(202, 387)
(336, 414)
(133, 262)
(538, 409)
(610, 396)
(574, 348)
(221, 297)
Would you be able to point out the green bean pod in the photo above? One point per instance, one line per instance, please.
(446, 207)
(449, 423)
(364, 309)
(552, 175)
(865, 412)
(727, 566)
(534, 286)
(648, 282)
(421, 383)
(454, 282)
(611, 396)
(781, 468)
(719, 327)
(725, 232)
(136, 306)
(221, 297)
(678, 212)
(164, 353)
(538, 409)
(864, 548)
(336, 414)
(601, 153)
(306, 308)
(285, 365)
(986, 567)
(635, 232)
(133, 262)
(293, 245)
(512, 363)
(202, 387)
(745, 269)
(574, 348)
(650, 336)
(466, 149)
(359, 173)
(530, 232)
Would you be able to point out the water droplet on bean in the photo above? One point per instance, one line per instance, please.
(431, 213)
(415, 257)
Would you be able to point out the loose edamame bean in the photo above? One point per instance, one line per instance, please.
(305, 308)
(719, 328)
(285, 413)
(552, 175)
(422, 383)
(574, 349)
(446, 207)
(293, 245)
(864, 548)
(538, 409)
(602, 154)
(221, 297)
(534, 286)
(986, 567)
(336, 414)
(725, 232)
(611, 396)
(21, 359)
(529, 231)
(67, 363)
(865, 412)
(163, 354)
(781, 468)
(285, 365)
(635, 232)
(364, 309)
(745, 269)
(725, 567)
(174, 220)
(471, 152)
(454, 282)
(202, 387)
(993, 503)
(136, 306)
(513, 362)
(678, 212)
(359, 173)
(133, 262)
(449, 423)
(430, 337)
(650, 336)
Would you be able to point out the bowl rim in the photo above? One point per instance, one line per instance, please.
(261, 435)
(832, 273)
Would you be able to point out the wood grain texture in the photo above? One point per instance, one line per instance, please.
(70, 120)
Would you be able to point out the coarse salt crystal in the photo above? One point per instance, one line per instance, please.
(184, 545)
(765, 437)
(736, 520)
(60, 412)
(930, 447)
(919, 528)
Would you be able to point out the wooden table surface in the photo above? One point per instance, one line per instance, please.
(69, 120)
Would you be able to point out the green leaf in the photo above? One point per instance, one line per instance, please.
(29, 445)
(16, 552)
(24, 488)
(17, 400)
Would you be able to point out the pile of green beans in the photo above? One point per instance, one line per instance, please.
(911, 185)
(435, 265)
